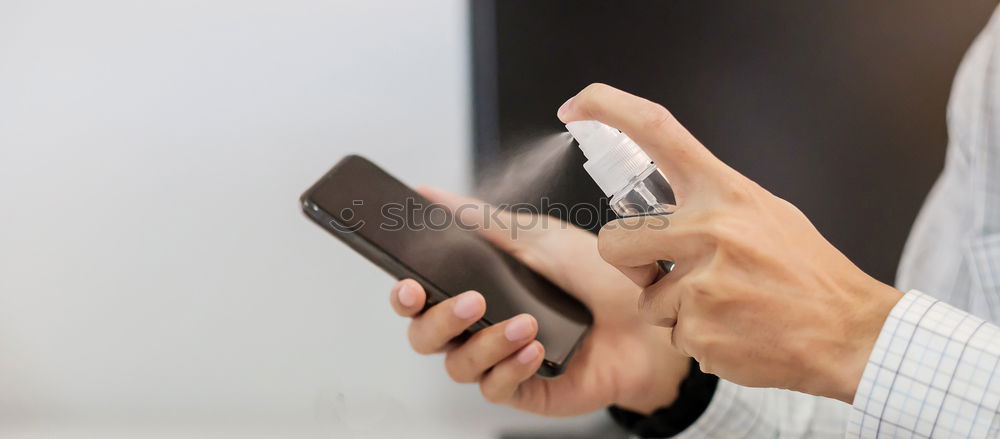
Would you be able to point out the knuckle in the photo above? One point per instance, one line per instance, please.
(647, 302)
(694, 342)
(417, 341)
(741, 192)
(490, 394)
(709, 344)
(697, 289)
(654, 116)
(689, 342)
(790, 209)
(722, 227)
(591, 99)
(595, 88)
(654, 309)
(458, 368)
(702, 343)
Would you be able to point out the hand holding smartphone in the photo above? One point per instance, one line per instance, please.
(407, 236)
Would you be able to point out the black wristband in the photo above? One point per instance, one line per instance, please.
(694, 394)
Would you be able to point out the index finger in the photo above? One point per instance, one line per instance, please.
(678, 153)
(407, 298)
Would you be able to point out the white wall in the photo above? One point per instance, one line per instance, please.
(156, 278)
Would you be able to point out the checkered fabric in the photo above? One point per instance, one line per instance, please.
(933, 371)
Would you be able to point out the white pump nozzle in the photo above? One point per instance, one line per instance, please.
(613, 159)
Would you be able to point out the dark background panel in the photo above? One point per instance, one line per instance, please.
(836, 106)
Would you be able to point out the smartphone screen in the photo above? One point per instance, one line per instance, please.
(408, 236)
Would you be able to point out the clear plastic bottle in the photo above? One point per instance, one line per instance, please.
(622, 170)
(625, 173)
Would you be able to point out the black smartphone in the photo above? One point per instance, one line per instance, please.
(409, 237)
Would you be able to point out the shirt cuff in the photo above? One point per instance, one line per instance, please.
(929, 374)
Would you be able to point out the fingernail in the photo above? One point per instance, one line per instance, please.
(518, 329)
(467, 306)
(527, 354)
(407, 296)
(564, 109)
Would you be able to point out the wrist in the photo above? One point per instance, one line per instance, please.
(662, 385)
(696, 392)
(862, 330)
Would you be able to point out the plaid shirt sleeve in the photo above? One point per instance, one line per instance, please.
(932, 373)
(746, 412)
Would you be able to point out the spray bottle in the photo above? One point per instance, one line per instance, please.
(622, 170)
